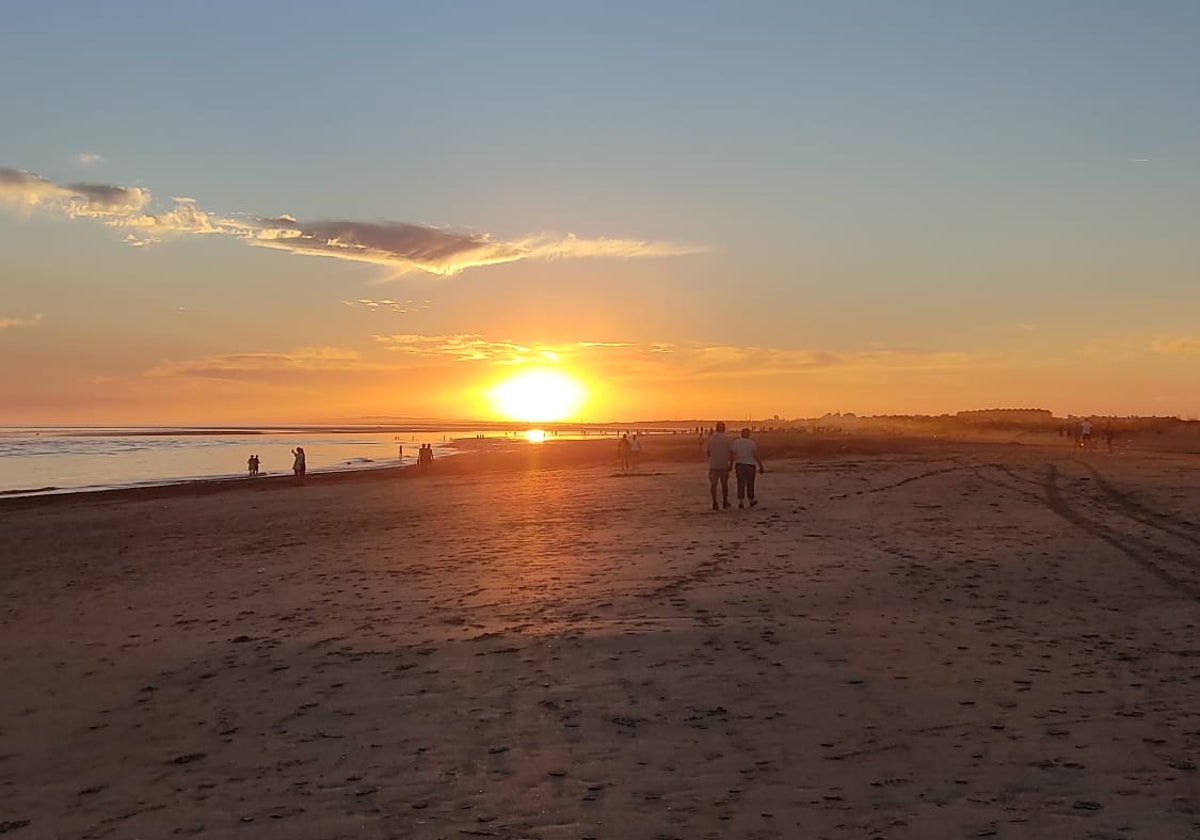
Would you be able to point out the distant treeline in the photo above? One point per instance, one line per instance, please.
(1008, 420)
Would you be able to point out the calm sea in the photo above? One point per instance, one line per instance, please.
(58, 460)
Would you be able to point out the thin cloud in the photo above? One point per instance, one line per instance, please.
(305, 360)
(400, 307)
(6, 323)
(467, 357)
(89, 158)
(614, 358)
(1177, 346)
(401, 247)
(1117, 347)
(408, 247)
(467, 348)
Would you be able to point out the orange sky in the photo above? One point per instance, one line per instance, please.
(817, 208)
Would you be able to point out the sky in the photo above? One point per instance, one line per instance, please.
(290, 213)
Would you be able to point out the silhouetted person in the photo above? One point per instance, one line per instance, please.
(250, 466)
(720, 461)
(745, 457)
(623, 451)
(299, 467)
(1108, 436)
(1085, 434)
(635, 451)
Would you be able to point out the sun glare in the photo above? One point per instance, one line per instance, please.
(539, 396)
(535, 436)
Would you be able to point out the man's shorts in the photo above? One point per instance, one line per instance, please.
(718, 475)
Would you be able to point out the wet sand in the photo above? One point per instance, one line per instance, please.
(904, 640)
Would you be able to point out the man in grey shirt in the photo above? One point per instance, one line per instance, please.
(720, 462)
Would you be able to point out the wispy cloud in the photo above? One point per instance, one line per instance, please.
(303, 361)
(399, 246)
(1177, 346)
(112, 204)
(401, 307)
(618, 358)
(1125, 348)
(88, 158)
(463, 363)
(5, 323)
(468, 348)
(727, 360)
(407, 247)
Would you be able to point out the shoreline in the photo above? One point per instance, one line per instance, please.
(507, 454)
(663, 445)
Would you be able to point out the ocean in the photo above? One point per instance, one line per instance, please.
(37, 461)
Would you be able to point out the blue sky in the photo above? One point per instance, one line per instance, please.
(1007, 189)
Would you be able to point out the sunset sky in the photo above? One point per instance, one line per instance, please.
(295, 213)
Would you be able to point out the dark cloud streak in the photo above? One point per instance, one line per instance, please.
(399, 246)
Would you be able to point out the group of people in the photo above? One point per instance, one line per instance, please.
(725, 455)
(254, 464)
(629, 450)
(425, 455)
(299, 467)
(739, 455)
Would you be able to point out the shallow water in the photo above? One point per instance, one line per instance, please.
(55, 460)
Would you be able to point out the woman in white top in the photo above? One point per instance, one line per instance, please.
(745, 457)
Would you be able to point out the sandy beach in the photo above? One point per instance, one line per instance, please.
(904, 640)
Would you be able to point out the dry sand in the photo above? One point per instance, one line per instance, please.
(902, 641)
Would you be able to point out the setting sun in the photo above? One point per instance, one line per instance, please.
(537, 395)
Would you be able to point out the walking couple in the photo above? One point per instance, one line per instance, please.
(740, 455)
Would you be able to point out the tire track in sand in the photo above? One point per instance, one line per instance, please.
(1138, 549)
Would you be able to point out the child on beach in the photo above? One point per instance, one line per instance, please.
(298, 465)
